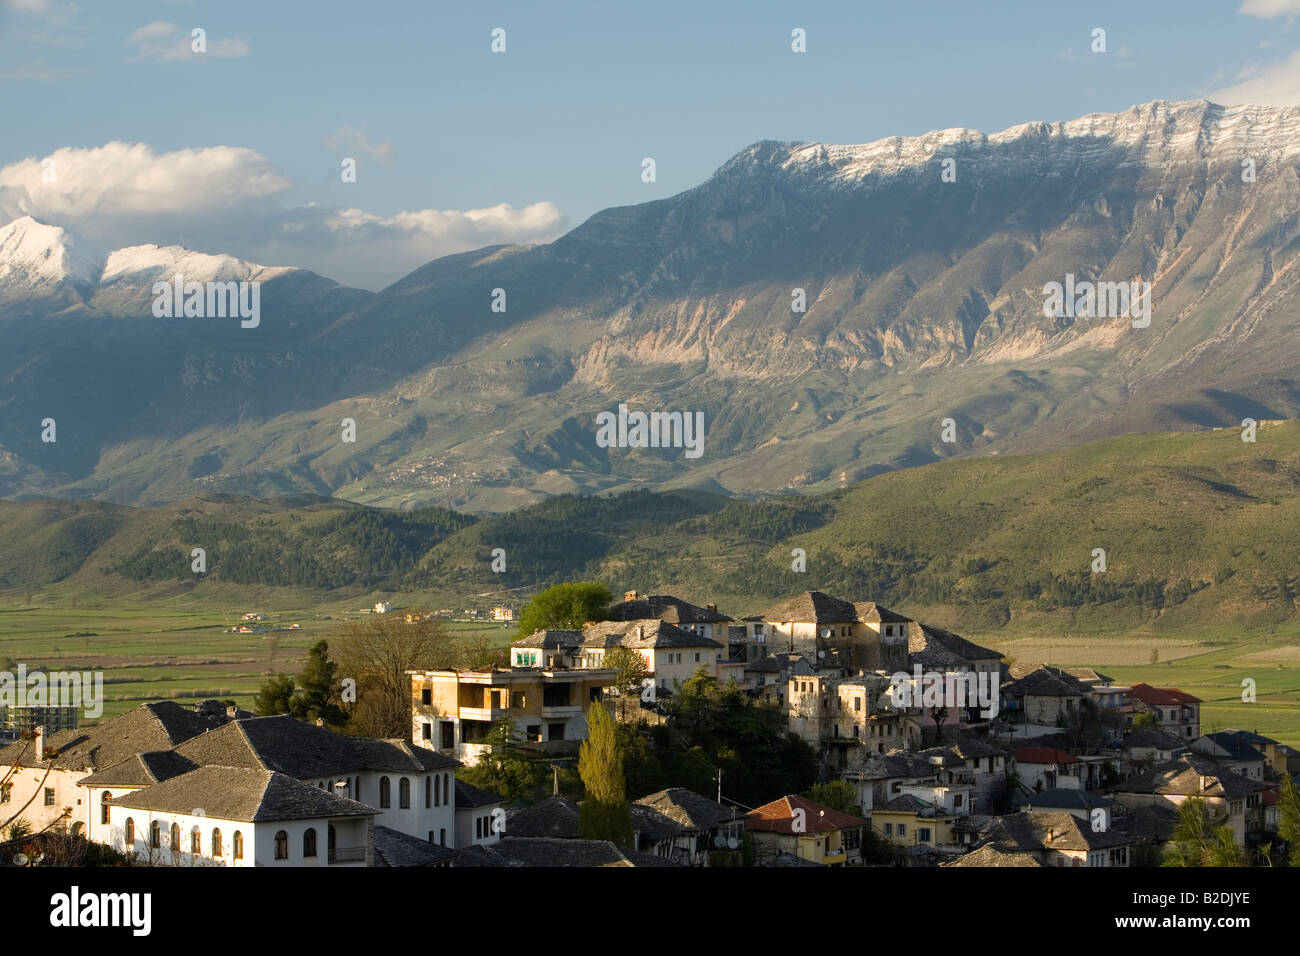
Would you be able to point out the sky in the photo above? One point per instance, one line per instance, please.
(113, 127)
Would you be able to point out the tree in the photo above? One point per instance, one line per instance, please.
(318, 695)
(275, 696)
(1288, 822)
(376, 653)
(1202, 839)
(632, 672)
(604, 814)
(566, 606)
(837, 794)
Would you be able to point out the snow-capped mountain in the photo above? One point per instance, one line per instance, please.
(46, 267)
(127, 282)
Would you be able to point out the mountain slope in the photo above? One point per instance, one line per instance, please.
(924, 302)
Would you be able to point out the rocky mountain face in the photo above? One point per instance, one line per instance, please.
(825, 307)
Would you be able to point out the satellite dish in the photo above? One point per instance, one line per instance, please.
(20, 859)
(826, 632)
(733, 843)
(821, 653)
(719, 841)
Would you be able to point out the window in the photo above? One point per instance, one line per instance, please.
(446, 782)
(281, 845)
(697, 657)
(956, 799)
(857, 703)
(103, 806)
(518, 700)
(533, 732)
(217, 849)
(404, 793)
(176, 837)
(555, 731)
(130, 832)
(426, 696)
(49, 796)
(239, 845)
(385, 793)
(426, 731)
(923, 834)
(889, 829)
(442, 836)
(4, 792)
(595, 695)
(478, 828)
(902, 829)
(437, 793)
(155, 835)
(309, 842)
(428, 792)
(448, 730)
(196, 841)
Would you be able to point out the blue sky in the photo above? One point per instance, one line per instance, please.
(555, 127)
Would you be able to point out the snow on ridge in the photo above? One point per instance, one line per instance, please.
(44, 256)
(150, 263)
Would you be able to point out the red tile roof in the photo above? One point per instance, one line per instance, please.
(1156, 695)
(1044, 755)
(778, 817)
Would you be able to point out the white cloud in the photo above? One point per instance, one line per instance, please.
(347, 140)
(165, 41)
(228, 199)
(1275, 85)
(1267, 9)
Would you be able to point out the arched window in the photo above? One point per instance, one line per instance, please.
(385, 793)
(281, 845)
(446, 783)
(332, 839)
(309, 842)
(428, 792)
(196, 842)
(404, 793)
(130, 832)
(77, 828)
(103, 806)
(216, 842)
(239, 844)
(437, 791)
(176, 837)
(155, 835)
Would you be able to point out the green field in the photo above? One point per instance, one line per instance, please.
(161, 653)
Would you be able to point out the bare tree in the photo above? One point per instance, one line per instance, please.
(376, 653)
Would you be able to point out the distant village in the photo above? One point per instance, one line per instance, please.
(954, 757)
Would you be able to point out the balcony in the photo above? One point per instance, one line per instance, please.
(348, 854)
(487, 714)
(568, 710)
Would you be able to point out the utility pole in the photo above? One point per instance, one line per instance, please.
(719, 786)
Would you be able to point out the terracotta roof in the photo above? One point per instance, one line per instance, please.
(778, 817)
(1160, 696)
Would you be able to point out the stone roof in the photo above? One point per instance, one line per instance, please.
(394, 848)
(687, 808)
(653, 825)
(905, 803)
(301, 750)
(1046, 682)
(812, 606)
(666, 608)
(555, 817)
(991, 855)
(1032, 830)
(548, 852)
(935, 649)
(778, 817)
(155, 726)
(1191, 775)
(643, 633)
(141, 770)
(788, 859)
(1154, 823)
(902, 763)
(1153, 737)
(1235, 747)
(469, 796)
(243, 794)
(551, 638)
(1250, 737)
(971, 748)
(1066, 798)
(869, 612)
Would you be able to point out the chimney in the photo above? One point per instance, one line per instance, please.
(711, 607)
(40, 742)
(630, 595)
(320, 721)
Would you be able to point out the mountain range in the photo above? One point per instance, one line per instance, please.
(921, 263)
